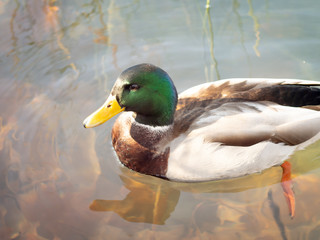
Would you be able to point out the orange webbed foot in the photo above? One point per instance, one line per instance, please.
(286, 183)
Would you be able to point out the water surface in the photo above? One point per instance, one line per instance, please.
(58, 61)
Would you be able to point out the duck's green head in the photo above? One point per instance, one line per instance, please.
(144, 89)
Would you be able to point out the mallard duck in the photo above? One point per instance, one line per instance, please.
(217, 130)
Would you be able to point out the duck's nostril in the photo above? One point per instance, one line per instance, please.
(109, 105)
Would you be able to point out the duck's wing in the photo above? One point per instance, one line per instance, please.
(244, 123)
(203, 98)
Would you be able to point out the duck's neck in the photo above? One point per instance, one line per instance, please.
(150, 136)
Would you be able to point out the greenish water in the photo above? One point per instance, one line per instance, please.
(58, 61)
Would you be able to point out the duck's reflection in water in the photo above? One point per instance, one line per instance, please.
(153, 200)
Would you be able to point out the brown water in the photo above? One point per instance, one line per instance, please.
(58, 60)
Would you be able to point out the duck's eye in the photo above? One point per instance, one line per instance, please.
(134, 87)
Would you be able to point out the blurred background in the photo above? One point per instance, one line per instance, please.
(58, 62)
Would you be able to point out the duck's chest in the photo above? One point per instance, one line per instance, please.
(137, 150)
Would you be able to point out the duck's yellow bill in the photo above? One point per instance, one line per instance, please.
(109, 109)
